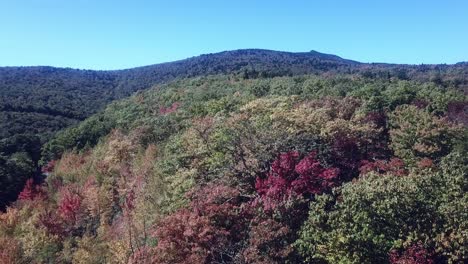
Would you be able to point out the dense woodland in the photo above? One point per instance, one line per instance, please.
(222, 169)
(247, 156)
(36, 102)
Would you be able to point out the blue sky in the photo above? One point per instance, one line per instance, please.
(105, 34)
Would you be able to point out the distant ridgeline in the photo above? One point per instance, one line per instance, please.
(36, 102)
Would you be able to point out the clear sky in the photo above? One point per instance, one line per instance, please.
(113, 34)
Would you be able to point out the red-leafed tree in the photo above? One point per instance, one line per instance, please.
(52, 223)
(420, 103)
(222, 205)
(394, 166)
(207, 231)
(457, 112)
(270, 238)
(186, 237)
(415, 254)
(290, 177)
(10, 251)
(31, 191)
(426, 163)
(69, 204)
(266, 242)
(346, 155)
(281, 206)
(49, 167)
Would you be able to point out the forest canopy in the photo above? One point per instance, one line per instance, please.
(228, 169)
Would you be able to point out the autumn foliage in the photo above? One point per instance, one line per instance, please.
(394, 166)
(291, 176)
(206, 232)
(10, 251)
(49, 167)
(274, 170)
(69, 205)
(415, 254)
(31, 191)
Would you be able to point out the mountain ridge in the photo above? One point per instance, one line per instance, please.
(315, 53)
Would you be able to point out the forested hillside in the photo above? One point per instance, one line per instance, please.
(363, 165)
(42, 100)
(36, 102)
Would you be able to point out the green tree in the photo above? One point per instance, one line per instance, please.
(366, 219)
(416, 134)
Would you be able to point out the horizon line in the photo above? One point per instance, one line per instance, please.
(223, 51)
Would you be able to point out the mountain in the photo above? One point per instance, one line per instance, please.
(59, 97)
(36, 102)
(42, 100)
